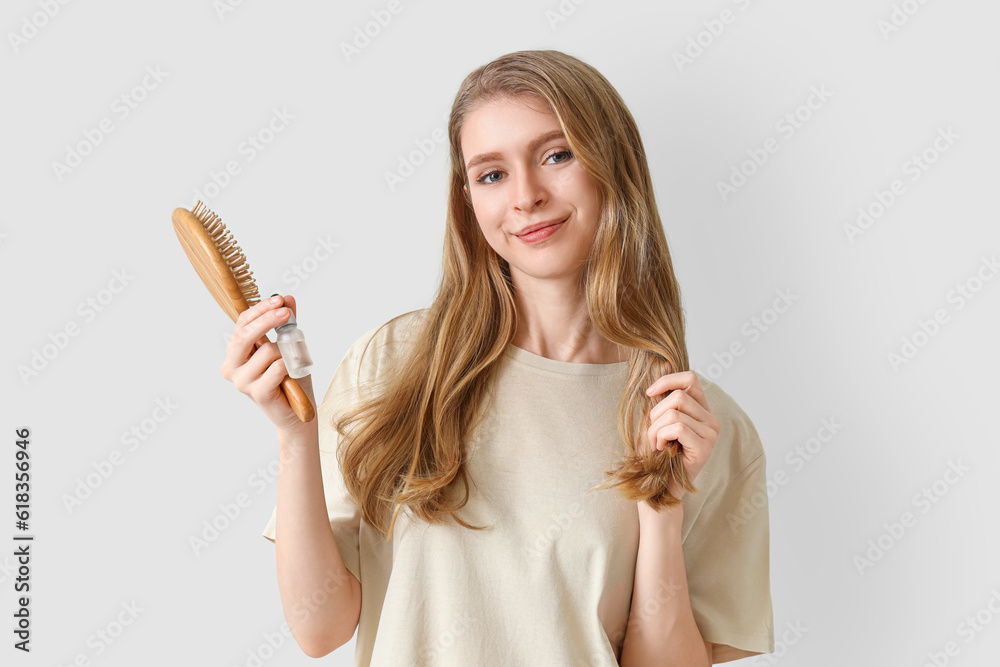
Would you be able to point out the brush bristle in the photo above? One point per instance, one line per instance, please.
(231, 252)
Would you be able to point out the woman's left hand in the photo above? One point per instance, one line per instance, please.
(683, 415)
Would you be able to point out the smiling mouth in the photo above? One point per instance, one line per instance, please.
(541, 234)
(544, 226)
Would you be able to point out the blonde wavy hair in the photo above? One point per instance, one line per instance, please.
(405, 443)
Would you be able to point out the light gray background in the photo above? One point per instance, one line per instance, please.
(827, 356)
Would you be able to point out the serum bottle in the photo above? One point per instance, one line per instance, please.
(292, 345)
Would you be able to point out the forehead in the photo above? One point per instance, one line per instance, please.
(495, 122)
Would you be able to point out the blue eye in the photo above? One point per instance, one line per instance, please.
(483, 179)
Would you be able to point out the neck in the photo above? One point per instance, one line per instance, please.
(553, 321)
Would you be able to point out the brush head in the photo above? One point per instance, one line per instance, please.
(219, 262)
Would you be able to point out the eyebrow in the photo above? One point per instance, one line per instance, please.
(532, 146)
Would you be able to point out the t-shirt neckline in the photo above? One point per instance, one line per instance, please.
(564, 367)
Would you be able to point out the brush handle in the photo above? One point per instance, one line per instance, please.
(294, 393)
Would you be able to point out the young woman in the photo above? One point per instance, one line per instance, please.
(505, 477)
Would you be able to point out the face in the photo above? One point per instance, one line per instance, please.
(521, 174)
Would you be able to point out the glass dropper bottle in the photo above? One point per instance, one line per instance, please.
(292, 345)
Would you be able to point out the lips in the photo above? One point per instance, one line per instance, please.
(540, 225)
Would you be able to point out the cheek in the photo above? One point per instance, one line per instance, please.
(488, 214)
(575, 185)
(589, 199)
(488, 226)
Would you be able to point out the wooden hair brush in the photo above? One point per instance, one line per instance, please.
(224, 270)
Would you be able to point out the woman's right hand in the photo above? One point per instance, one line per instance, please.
(258, 372)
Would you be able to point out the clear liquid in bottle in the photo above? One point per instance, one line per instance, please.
(292, 345)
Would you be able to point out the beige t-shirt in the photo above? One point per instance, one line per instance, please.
(550, 583)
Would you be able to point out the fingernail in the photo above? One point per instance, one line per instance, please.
(275, 299)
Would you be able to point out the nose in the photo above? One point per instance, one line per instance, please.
(529, 191)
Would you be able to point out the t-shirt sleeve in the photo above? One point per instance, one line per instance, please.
(727, 551)
(345, 517)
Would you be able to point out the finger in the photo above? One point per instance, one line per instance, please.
(679, 431)
(289, 301)
(257, 328)
(663, 425)
(245, 376)
(241, 343)
(256, 310)
(253, 323)
(660, 437)
(679, 399)
(686, 380)
(271, 379)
